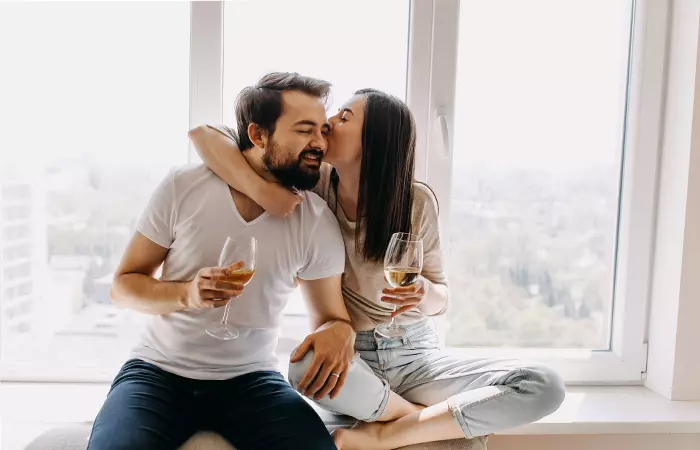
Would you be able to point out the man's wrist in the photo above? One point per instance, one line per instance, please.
(341, 321)
(345, 323)
(183, 295)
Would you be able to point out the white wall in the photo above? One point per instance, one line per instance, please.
(597, 442)
(674, 365)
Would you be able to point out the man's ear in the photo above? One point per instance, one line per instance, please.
(257, 135)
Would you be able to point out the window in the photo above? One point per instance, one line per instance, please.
(538, 137)
(20, 328)
(17, 232)
(15, 193)
(24, 289)
(17, 272)
(106, 101)
(10, 294)
(537, 128)
(17, 252)
(327, 49)
(534, 142)
(10, 213)
(17, 310)
(318, 38)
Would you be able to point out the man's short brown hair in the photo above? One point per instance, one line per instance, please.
(262, 104)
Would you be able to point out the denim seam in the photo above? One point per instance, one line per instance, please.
(403, 388)
(492, 397)
(382, 406)
(524, 374)
(459, 418)
(457, 410)
(384, 365)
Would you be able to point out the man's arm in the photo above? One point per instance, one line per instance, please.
(324, 301)
(333, 341)
(220, 153)
(135, 288)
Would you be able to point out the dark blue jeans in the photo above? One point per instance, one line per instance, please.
(149, 408)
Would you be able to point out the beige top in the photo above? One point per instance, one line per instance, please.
(363, 281)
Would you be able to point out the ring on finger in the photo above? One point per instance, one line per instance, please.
(337, 375)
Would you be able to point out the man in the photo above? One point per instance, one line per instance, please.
(182, 380)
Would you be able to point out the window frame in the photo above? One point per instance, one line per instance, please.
(206, 65)
(203, 100)
(431, 96)
(430, 92)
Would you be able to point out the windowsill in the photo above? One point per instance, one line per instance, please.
(617, 410)
(586, 410)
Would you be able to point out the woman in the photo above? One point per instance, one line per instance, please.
(411, 389)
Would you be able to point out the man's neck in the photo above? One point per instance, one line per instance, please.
(245, 205)
(254, 156)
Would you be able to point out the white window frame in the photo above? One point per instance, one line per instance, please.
(431, 72)
(206, 65)
(206, 91)
(431, 79)
(431, 96)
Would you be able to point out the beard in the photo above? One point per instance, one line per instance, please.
(290, 171)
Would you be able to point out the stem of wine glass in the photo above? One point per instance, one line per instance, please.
(392, 324)
(224, 320)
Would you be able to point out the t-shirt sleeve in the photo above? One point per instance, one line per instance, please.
(157, 222)
(226, 131)
(325, 254)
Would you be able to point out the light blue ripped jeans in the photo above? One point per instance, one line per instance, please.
(485, 395)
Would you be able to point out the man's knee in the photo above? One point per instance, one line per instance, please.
(299, 368)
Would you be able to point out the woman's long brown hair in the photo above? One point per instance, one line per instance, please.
(385, 199)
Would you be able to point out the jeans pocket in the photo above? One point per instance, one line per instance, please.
(428, 341)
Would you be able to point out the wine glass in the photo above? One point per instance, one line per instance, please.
(403, 263)
(239, 250)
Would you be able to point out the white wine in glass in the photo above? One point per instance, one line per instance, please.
(403, 264)
(240, 250)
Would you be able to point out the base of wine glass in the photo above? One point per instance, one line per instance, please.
(390, 331)
(222, 331)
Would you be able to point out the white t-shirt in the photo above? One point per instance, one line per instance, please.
(192, 213)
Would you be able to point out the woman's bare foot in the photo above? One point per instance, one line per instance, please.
(365, 436)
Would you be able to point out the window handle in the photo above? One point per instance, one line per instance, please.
(444, 133)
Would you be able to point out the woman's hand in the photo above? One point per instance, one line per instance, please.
(406, 298)
(278, 200)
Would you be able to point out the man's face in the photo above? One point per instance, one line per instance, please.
(294, 152)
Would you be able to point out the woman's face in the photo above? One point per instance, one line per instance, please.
(345, 136)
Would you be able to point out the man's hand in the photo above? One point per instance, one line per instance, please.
(213, 288)
(333, 347)
(278, 200)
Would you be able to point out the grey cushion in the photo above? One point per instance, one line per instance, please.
(457, 444)
(75, 437)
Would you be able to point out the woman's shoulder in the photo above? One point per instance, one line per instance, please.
(323, 187)
(425, 198)
(426, 209)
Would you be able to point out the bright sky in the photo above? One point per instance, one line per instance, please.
(540, 83)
